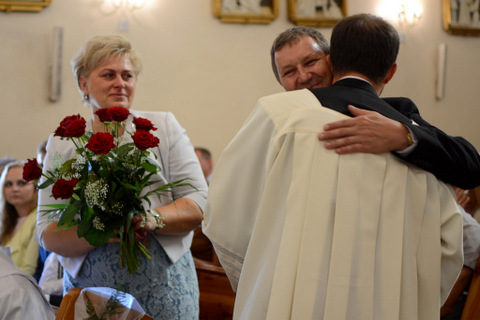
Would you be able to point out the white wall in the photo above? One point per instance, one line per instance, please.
(208, 73)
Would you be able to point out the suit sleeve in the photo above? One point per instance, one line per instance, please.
(451, 159)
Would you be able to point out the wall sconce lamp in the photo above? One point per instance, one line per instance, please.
(130, 5)
(410, 11)
(122, 7)
(405, 12)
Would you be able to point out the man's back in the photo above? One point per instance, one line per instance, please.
(329, 236)
(359, 93)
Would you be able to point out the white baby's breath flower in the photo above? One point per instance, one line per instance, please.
(79, 164)
(96, 193)
(129, 166)
(117, 208)
(67, 176)
(97, 224)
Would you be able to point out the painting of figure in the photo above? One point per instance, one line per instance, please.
(320, 8)
(462, 17)
(316, 12)
(246, 11)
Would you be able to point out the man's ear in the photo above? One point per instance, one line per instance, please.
(329, 62)
(390, 74)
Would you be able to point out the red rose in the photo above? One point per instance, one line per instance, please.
(143, 124)
(100, 143)
(144, 140)
(118, 114)
(63, 189)
(59, 132)
(103, 115)
(71, 126)
(76, 128)
(32, 170)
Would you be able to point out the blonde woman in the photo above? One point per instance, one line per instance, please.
(166, 286)
(18, 206)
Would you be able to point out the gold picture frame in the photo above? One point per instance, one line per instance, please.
(316, 13)
(460, 21)
(246, 11)
(24, 6)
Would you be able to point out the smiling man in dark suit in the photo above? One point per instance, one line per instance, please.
(299, 61)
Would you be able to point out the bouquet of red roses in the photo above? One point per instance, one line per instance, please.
(105, 181)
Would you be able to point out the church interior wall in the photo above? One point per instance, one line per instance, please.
(207, 72)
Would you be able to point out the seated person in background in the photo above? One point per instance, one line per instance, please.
(298, 57)
(205, 158)
(49, 269)
(51, 280)
(4, 161)
(470, 201)
(20, 297)
(18, 207)
(453, 307)
(43, 254)
(201, 247)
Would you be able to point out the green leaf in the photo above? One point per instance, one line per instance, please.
(123, 150)
(76, 197)
(150, 165)
(98, 238)
(148, 201)
(68, 225)
(88, 213)
(46, 183)
(69, 213)
(83, 228)
(58, 206)
(128, 186)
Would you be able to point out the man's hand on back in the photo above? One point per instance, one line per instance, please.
(367, 132)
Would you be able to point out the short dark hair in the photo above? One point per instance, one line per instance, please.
(366, 44)
(292, 36)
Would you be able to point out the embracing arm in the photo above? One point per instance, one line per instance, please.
(451, 159)
(367, 132)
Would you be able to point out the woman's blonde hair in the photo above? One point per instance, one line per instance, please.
(98, 50)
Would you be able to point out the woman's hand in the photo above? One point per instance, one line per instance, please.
(179, 217)
(144, 224)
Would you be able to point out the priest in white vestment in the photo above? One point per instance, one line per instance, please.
(305, 233)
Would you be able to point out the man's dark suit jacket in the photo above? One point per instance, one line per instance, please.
(451, 159)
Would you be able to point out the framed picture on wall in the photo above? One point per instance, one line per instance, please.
(462, 17)
(246, 11)
(316, 13)
(22, 5)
